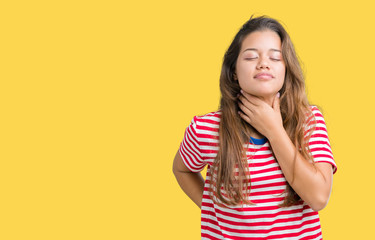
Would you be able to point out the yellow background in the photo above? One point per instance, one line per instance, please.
(96, 95)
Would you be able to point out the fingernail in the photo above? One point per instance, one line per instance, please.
(241, 91)
(278, 95)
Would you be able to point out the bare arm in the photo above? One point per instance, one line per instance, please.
(313, 183)
(192, 183)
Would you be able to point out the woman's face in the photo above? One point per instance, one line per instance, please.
(260, 68)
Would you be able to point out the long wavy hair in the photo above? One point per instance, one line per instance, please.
(230, 176)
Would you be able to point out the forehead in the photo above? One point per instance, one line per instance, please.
(262, 41)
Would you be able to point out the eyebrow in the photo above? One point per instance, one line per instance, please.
(254, 49)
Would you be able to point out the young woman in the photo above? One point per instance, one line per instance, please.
(269, 159)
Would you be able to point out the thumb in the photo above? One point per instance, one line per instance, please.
(276, 102)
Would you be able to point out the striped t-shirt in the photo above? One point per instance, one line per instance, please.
(265, 219)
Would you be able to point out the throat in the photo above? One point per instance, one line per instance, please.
(255, 134)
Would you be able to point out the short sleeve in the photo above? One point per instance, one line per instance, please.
(190, 149)
(319, 144)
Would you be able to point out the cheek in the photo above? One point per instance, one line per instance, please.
(244, 71)
(281, 77)
(240, 69)
(281, 74)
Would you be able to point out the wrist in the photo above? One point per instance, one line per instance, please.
(276, 134)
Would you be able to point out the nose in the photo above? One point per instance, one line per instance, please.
(263, 64)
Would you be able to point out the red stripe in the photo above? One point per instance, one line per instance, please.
(189, 155)
(205, 235)
(316, 135)
(316, 129)
(320, 129)
(265, 178)
(313, 237)
(289, 235)
(270, 200)
(266, 170)
(318, 142)
(206, 128)
(244, 217)
(320, 149)
(211, 230)
(261, 164)
(255, 201)
(208, 120)
(261, 156)
(213, 144)
(188, 161)
(257, 209)
(275, 184)
(201, 135)
(322, 156)
(237, 215)
(256, 229)
(191, 142)
(263, 224)
(271, 192)
(317, 113)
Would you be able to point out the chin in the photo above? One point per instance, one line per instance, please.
(263, 94)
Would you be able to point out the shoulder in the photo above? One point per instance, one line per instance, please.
(315, 120)
(316, 111)
(212, 118)
(206, 126)
(317, 114)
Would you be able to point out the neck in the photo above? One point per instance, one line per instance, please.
(268, 99)
(255, 134)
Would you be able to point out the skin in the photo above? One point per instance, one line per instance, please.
(260, 105)
(261, 53)
(191, 183)
(259, 102)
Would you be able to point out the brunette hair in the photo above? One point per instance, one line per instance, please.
(227, 186)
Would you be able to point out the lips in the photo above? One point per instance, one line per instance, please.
(263, 76)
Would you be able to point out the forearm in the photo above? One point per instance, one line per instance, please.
(308, 181)
(192, 184)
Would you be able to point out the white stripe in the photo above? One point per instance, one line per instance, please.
(252, 222)
(255, 216)
(274, 232)
(191, 157)
(206, 124)
(265, 174)
(207, 132)
(209, 232)
(318, 139)
(210, 148)
(255, 212)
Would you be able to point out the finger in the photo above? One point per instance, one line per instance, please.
(246, 102)
(245, 110)
(244, 117)
(251, 98)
